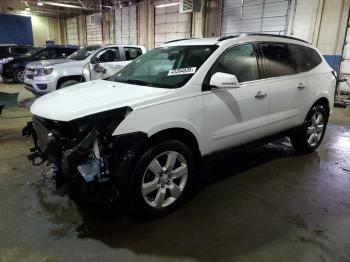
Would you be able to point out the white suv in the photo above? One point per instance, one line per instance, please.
(147, 129)
(89, 63)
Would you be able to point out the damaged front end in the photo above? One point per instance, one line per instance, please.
(81, 150)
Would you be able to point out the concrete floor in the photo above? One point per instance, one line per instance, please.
(268, 204)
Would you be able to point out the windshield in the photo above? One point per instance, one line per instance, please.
(83, 53)
(32, 52)
(166, 67)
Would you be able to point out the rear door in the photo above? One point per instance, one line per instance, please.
(306, 59)
(288, 90)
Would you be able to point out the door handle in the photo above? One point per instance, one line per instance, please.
(301, 86)
(260, 94)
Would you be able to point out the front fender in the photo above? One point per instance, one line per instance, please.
(186, 114)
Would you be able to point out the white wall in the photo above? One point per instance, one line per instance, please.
(320, 22)
(45, 28)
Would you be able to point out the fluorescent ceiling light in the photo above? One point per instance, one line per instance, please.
(67, 5)
(40, 3)
(166, 5)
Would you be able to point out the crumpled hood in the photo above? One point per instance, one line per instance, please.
(93, 97)
(44, 63)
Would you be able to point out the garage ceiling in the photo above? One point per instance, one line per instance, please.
(70, 8)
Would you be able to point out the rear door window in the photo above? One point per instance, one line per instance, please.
(277, 60)
(47, 54)
(132, 52)
(305, 58)
(62, 52)
(18, 50)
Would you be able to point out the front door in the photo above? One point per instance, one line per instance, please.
(107, 63)
(235, 116)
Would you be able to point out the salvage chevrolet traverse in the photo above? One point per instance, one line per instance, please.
(146, 131)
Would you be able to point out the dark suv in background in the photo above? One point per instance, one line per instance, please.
(10, 51)
(14, 68)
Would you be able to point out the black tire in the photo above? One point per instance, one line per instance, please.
(68, 83)
(300, 140)
(18, 75)
(139, 176)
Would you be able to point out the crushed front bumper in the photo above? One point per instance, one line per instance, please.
(94, 160)
(71, 164)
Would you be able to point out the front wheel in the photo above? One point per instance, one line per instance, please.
(68, 83)
(312, 132)
(162, 178)
(18, 75)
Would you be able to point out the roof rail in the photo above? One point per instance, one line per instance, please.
(176, 40)
(262, 34)
(228, 37)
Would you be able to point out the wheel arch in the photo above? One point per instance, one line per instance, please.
(323, 101)
(62, 79)
(131, 146)
(177, 133)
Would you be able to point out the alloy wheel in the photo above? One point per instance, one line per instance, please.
(315, 129)
(20, 76)
(164, 179)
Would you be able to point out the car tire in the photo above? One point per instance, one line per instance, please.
(311, 134)
(162, 178)
(18, 75)
(68, 83)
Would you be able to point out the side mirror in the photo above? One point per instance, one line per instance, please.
(99, 69)
(223, 80)
(94, 60)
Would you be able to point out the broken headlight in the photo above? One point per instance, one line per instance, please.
(104, 122)
(97, 143)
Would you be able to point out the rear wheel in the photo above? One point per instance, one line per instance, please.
(18, 75)
(162, 178)
(311, 134)
(68, 83)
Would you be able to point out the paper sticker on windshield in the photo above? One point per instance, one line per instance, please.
(182, 71)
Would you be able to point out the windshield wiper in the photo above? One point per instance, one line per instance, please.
(138, 82)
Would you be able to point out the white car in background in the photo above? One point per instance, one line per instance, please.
(147, 130)
(89, 63)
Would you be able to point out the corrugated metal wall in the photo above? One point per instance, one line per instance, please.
(170, 24)
(345, 64)
(126, 25)
(94, 30)
(72, 31)
(244, 16)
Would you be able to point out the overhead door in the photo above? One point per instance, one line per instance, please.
(345, 64)
(93, 29)
(72, 31)
(169, 23)
(254, 16)
(126, 25)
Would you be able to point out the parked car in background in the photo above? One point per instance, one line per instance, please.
(89, 63)
(147, 130)
(11, 51)
(14, 69)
